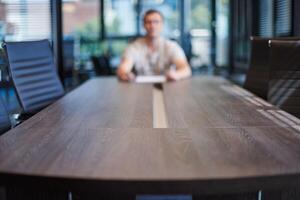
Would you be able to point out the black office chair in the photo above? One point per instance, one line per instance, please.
(284, 85)
(34, 74)
(257, 79)
(258, 71)
(102, 65)
(5, 123)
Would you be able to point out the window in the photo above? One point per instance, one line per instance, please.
(222, 30)
(120, 18)
(275, 18)
(81, 18)
(283, 11)
(242, 30)
(81, 33)
(199, 27)
(266, 18)
(25, 20)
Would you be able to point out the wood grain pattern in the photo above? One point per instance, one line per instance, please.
(213, 102)
(100, 103)
(221, 139)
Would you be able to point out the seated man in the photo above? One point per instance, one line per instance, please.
(153, 54)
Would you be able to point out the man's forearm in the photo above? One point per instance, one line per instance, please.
(183, 73)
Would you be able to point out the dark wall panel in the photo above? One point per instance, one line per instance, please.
(296, 24)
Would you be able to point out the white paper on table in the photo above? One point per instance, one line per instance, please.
(150, 79)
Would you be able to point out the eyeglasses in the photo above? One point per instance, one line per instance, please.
(152, 21)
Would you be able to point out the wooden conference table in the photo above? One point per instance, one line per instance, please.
(102, 138)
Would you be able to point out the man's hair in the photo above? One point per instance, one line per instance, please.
(152, 11)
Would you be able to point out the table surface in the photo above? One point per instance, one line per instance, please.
(219, 137)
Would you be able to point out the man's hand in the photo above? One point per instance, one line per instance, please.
(124, 70)
(128, 77)
(172, 75)
(182, 71)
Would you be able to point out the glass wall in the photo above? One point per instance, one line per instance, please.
(120, 26)
(222, 32)
(25, 20)
(120, 17)
(242, 21)
(81, 32)
(283, 20)
(266, 18)
(198, 24)
(275, 18)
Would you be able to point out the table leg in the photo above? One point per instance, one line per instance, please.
(91, 196)
(246, 196)
(2, 193)
(18, 193)
(290, 194)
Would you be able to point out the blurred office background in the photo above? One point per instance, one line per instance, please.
(89, 36)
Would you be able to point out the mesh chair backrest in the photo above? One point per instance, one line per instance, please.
(4, 119)
(34, 74)
(284, 85)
